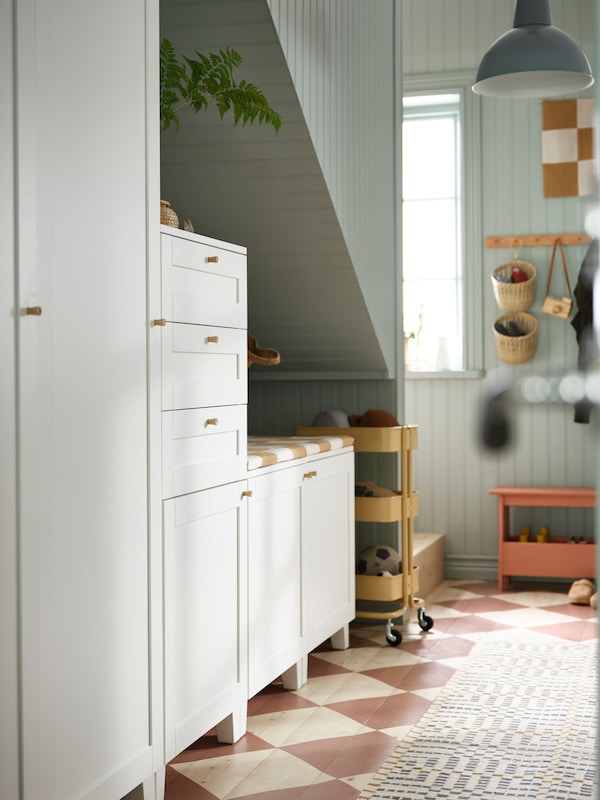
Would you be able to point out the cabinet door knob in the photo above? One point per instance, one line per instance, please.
(247, 493)
(159, 322)
(212, 421)
(213, 259)
(213, 339)
(33, 311)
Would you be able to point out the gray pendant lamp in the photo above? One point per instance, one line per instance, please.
(533, 59)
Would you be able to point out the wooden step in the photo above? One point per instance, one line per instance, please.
(428, 555)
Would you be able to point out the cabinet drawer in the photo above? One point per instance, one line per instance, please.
(203, 366)
(202, 447)
(203, 284)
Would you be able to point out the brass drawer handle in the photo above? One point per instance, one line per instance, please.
(33, 311)
(213, 339)
(311, 474)
(247, 493)
(212, 421)
(213, 259)
(159, 322)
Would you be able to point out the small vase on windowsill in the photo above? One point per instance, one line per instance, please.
(167, 215)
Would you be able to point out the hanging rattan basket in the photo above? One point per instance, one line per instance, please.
(517, 349)
(514, 296)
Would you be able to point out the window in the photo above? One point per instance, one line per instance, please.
(442, 318)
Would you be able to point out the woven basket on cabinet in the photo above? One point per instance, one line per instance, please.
(517, 349)
(167, 215)
(514, 296)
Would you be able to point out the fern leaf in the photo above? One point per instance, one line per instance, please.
(209, 78)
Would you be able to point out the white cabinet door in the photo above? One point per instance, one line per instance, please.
(205, 550)
(82, 259)
(328, 547)
(274, 577)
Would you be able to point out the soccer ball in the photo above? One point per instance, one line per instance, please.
(379, 558)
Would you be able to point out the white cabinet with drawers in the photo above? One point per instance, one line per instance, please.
(203, 390)
(256, 568)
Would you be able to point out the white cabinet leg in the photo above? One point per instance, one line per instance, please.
(233, 727)
(341, 639)
(158, 785)
(297, 675)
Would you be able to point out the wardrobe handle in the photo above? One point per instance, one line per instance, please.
(213, 259)
(33, 311)
(212, 421)
(311, 474)
(247, 493)
(213, 339)
(159, 322)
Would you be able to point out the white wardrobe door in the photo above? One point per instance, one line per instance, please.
(82, 367)
(9, 681)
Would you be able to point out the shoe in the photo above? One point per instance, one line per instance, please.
(594, 600)
(261, 355)
(581, 592)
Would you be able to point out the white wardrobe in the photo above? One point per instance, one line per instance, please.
(75, 637)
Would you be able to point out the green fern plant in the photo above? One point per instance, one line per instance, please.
(209, 79)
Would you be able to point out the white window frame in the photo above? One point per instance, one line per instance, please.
(471, 222)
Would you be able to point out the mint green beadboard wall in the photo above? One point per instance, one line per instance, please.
(451, 471)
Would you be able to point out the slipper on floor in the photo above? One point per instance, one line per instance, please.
(581, 592)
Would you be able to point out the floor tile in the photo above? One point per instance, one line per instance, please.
(400, 709)
(340, 688)
(302, 725)
(530, 617)
(276, 698)
(179, 787)
(342, 757)
(479, 605)
(209, 747)
(424, 675)
(370, 657)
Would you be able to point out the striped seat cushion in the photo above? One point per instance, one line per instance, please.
(264, 451)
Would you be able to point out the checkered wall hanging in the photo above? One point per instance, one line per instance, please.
(568, 147)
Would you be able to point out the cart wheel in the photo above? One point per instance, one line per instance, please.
(425, 621)
(393, 637)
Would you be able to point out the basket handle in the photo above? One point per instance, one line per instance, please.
(558, 244)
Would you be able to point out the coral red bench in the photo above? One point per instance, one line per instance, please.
(556, 558)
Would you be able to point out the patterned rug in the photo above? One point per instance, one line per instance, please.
(518, 720)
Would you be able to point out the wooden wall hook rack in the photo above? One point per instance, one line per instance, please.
(543, 240)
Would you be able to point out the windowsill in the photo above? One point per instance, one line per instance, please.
(445, 375)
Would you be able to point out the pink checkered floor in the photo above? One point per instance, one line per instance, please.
(326, 740)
